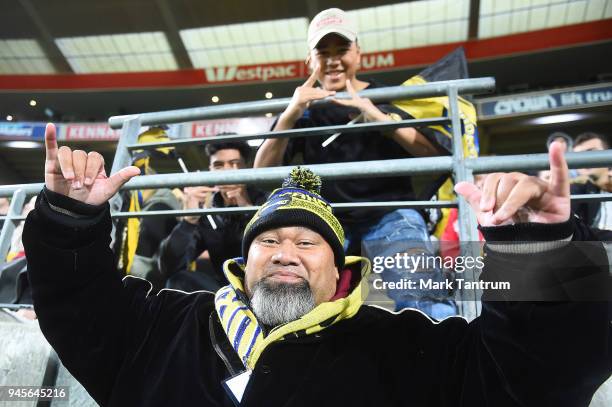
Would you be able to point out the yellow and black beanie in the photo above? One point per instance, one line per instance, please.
(298, 203)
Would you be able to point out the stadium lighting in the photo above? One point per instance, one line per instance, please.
(269, 95)
(215, 99)
(9, 118)
(22, 144)
(32, 103)
(558, 118)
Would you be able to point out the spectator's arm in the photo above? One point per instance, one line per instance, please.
(544, 353)
(180, 248)
(546, 339)
(85, 312)
(153, 230)
(414, 142)
(270, 153)
(408, 138)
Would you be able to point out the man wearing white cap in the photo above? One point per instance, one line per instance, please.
(334, 58)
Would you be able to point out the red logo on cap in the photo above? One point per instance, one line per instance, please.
(330, 21)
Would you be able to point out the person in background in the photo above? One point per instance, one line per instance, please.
(565, 140)
(567, 143)
(142, 236)
(219, 234)
(291, 329)
(335, 58)
(593, 181)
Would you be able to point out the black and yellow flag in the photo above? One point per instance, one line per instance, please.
(452, 66)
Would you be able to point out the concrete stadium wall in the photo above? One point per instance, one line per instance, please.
(27, 359)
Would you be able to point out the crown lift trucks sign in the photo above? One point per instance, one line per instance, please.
(543, 101)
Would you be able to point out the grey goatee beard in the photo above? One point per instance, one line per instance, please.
(276, 303)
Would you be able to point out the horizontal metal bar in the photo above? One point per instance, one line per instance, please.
(362, 169)
(250, 209)
(309, 132)
(336, 206)
(16, 306)
(15, 218)
(186, 212)
(369, 169)
(344, 206)
(29, 189)
(261, 107)
(502, 163)
(592, 197)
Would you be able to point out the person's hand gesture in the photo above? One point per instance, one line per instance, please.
(194, 197)
(370, 112)
(80, 175)
(236, 195)
(518, 198)
(303, 96)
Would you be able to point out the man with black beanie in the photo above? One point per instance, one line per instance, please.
(291, 328)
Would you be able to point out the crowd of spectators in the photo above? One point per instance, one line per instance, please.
(188, 253)
(587, 181)
(215, 238)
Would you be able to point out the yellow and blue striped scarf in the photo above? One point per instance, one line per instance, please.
(243, 330)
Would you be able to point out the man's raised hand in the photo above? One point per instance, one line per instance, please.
(518, 198)
(80, 175)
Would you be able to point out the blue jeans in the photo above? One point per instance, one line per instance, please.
(402, 233)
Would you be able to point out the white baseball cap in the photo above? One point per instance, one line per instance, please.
(332, 20)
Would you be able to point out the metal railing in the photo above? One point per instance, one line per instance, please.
(461, 168)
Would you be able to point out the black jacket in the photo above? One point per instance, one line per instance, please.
(129, 348)
(186, 241)
(588, 211)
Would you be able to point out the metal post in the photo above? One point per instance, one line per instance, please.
(123, 158)
(129, 135)
(468, 231)
(10, 224)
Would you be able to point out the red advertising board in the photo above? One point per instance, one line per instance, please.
(249, 125)
(91, 131)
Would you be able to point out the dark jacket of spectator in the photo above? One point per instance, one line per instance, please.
(596, 214)
(129, 348)
(187, 241)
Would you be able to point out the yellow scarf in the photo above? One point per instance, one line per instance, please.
(244, 332)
